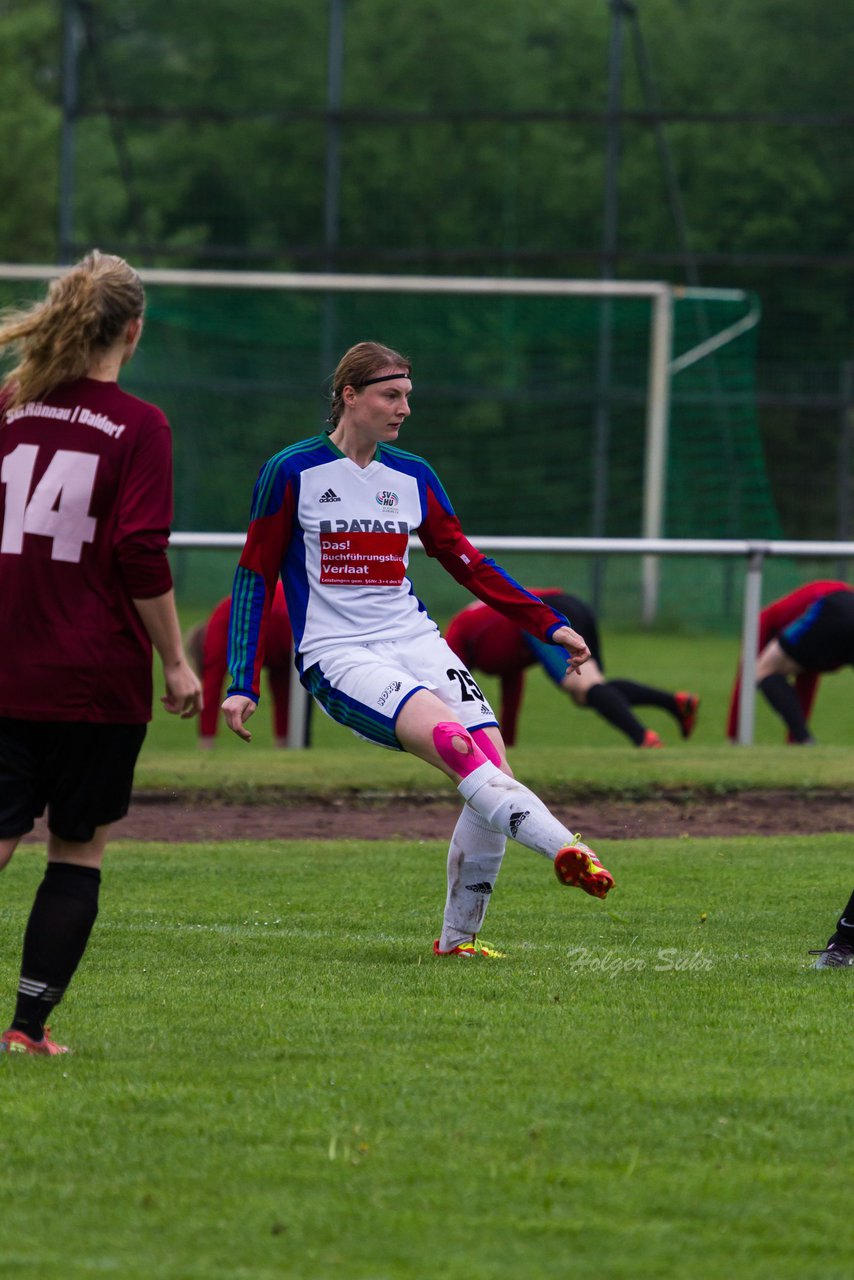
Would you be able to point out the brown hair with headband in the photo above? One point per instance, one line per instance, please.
(84, 314)
(360, 366)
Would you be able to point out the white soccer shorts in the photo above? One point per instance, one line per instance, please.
(364, 686)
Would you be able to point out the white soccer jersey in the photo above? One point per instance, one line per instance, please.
(339, 536)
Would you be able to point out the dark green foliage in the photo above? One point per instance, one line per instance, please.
(202, 139)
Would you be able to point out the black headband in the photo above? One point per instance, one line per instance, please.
(383, 378)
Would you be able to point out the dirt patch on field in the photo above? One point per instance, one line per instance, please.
(745, 813)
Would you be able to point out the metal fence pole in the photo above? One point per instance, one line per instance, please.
(298, 711)
(655, 464)
(749, 644)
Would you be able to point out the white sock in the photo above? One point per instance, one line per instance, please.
(510, 807)
(474, 860)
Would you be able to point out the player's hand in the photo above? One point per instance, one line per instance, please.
(183, 695)
(237, 709)
(575, 645)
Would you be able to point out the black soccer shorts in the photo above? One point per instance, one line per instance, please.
(822, 638)
(82, 774)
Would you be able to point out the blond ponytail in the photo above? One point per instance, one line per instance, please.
(84, 314)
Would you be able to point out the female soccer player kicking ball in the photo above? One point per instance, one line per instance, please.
(332, 515)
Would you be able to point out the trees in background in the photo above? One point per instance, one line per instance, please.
(207, 134)
(470, 140)
(29, 130)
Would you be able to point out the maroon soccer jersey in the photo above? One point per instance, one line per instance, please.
(85, 510)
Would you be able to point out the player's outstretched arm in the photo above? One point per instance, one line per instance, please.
(237, 709)
(575, 645)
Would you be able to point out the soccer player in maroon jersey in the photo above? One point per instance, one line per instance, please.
(805, 634)
(488, 642)
(85, 592)
(207, 649)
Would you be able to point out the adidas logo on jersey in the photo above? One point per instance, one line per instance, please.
(329, 496)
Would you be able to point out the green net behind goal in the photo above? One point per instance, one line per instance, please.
(507, 406)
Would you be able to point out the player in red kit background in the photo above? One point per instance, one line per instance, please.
(804, 634)
(85, 592)
(489, 642)
(207, 649)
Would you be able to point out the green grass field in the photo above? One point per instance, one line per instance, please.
(273, 1077)
(705, 664)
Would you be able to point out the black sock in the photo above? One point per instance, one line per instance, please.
(845, 925)
(785, 702)
(644, 695)
(64, 911)
(611, 704)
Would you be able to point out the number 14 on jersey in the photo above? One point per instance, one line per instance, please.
(59, 506)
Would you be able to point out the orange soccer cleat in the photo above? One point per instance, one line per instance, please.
(577, 865)
(18, 1042)
(687, 706)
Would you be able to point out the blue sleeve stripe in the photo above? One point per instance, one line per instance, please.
(411, 464)
(508, 577)
(296, 587)
(237, 627)
(436, 484)
(273, 476)
(268, 495)
(247, 605)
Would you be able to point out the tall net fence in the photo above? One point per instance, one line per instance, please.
(505, 405)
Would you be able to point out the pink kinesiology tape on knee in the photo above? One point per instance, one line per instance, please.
(487, 746)
(462, 762)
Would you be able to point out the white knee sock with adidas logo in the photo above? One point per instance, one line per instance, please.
(474, 860)
(511, 808)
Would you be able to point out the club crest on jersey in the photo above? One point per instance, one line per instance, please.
(387, 499)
